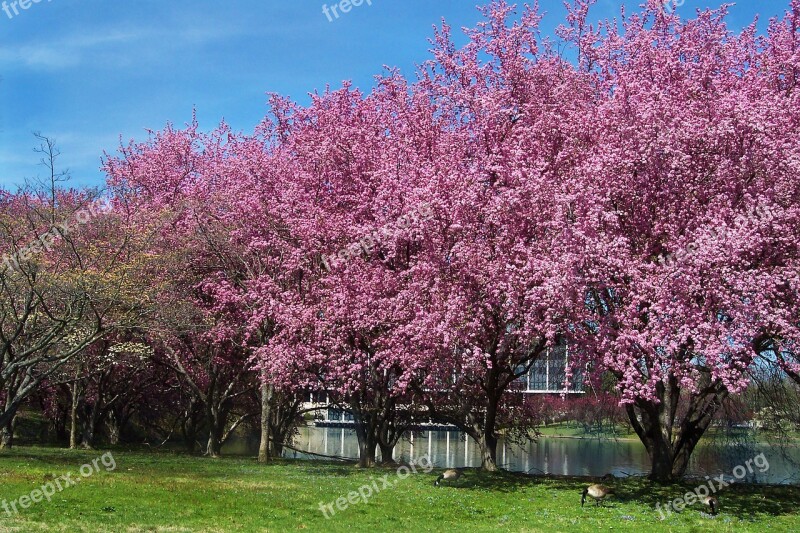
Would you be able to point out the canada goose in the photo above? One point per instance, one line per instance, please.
(711, 502)
(448, 475)
(598, 492)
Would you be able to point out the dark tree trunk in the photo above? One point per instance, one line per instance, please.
(276, 448)
(671, 442)
(367, 433)
(190, 439)
(387, 453)
(392, 426)
(7, 434)
(366, 450)
(59, 427)
(266, 447)
(90, 423)
(9, 422)
(87, 437)
(189, 427)
(488, 441)
(285, 415)
(488, 447)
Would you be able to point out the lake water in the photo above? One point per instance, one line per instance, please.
(560, 456)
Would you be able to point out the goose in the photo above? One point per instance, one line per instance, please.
(598, 492)
(711, 502)
(448, 475)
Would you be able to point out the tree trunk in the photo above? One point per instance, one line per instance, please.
(265, 447)
(90, 423)
(214, 447)
(670, 448)
(488, 438)
(59, 426)
(665, 465)
(215, 432)
(393, 425)
(9, 425)
(87, 437)
(488, 447)
(113, 427)
(387, 453)
(366, 452)
(7, 434)
(367, 438)
(73, 418)
(285, 418)
(276, 444)
(189, 426)
(190, 436)
(88, 434)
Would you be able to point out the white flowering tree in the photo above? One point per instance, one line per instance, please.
(65, 279)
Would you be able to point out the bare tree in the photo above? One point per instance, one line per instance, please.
(59, 292)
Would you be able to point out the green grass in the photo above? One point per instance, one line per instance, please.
(171, 493)
(571, 429)
(575, 430)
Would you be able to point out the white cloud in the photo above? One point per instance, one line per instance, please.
(121, 45)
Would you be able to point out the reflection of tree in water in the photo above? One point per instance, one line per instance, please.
(776, 403)
(766, 418)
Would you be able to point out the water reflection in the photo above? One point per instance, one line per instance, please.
(585, 457)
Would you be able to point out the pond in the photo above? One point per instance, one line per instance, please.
(551, 455)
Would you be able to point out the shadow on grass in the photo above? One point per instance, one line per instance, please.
(739, 501)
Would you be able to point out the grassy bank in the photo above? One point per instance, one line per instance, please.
(622, 432)
(163, 492)
(573, 430)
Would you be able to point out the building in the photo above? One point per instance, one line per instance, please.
(546, 376)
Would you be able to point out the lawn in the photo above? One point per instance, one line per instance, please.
(166, 492)
(575, 430)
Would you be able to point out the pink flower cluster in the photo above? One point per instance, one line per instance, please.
(552, 192)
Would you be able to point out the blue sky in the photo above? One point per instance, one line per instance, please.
(86, 72)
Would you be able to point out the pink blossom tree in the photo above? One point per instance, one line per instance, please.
(779, 232)
(337, 329)
(693, 187)
(427, 242)
(216, 206)
(497, 283)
